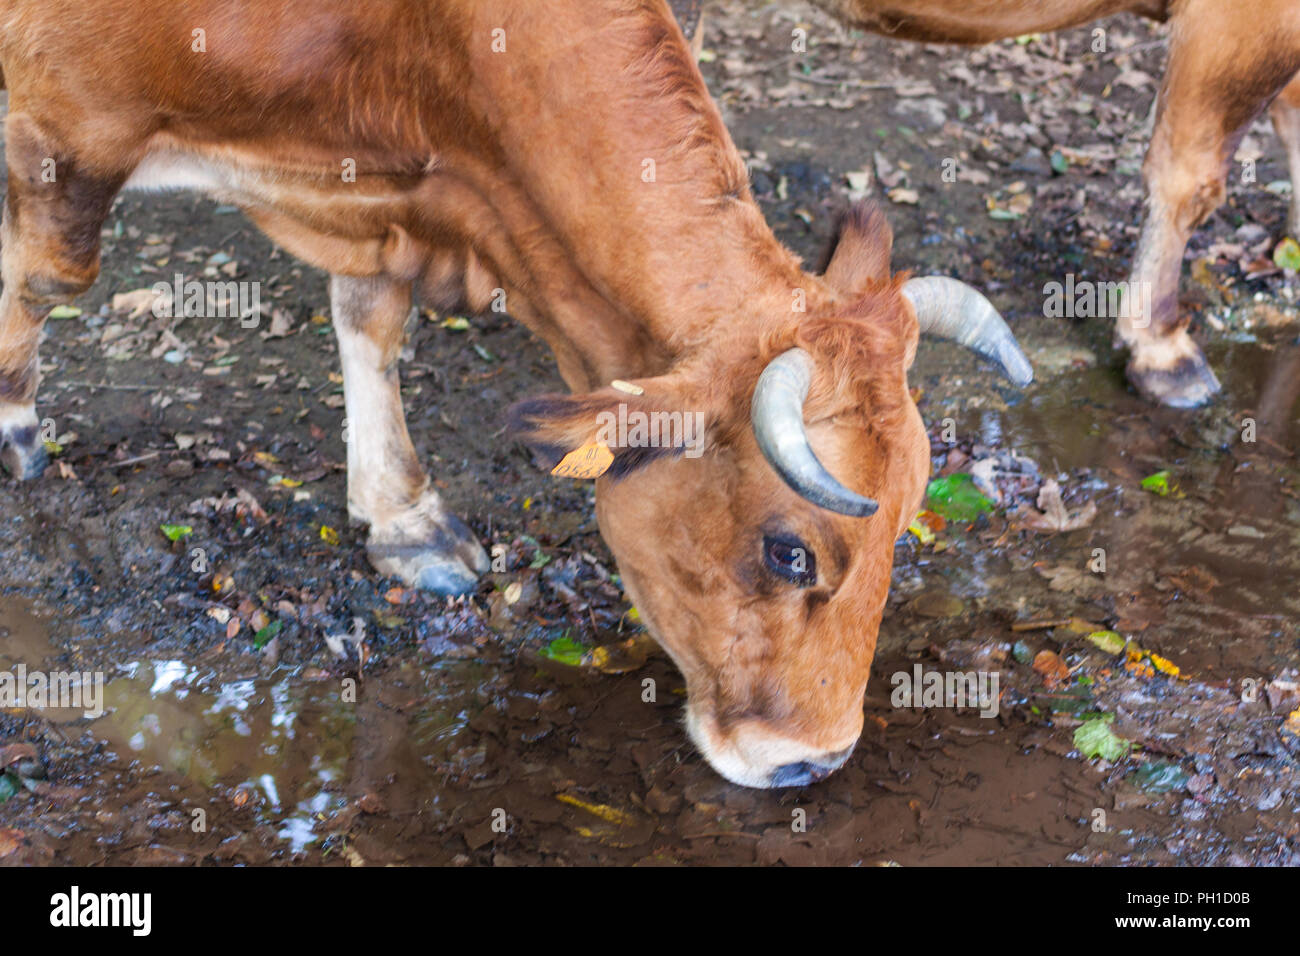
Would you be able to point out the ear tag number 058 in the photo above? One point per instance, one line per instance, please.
(590, 461)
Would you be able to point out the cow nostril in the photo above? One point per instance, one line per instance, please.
(803, 773)
(793, 775)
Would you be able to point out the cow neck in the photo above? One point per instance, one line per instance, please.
(602, 118)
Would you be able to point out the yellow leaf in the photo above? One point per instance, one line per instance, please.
(329, 535)
(1164, 665)
(604, 811)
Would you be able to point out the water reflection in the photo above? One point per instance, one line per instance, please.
(285, 740)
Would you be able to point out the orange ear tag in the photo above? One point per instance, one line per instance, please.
(590, 461)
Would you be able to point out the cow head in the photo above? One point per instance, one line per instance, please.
(759, 556)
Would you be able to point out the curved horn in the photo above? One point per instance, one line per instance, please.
(953, 310)
(777, 416)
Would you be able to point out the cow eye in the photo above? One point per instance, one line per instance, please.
(791, 559)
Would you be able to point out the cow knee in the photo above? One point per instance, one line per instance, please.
(54, 211)
(1187, 186)
(1199, 202)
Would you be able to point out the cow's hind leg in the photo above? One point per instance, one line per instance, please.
(1223, 70)
(1286, 120)
(53, 214)
(412, 536)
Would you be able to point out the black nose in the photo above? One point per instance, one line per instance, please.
(803, 773)
(797, 775)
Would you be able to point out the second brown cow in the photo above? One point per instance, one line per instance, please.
(1228, 61)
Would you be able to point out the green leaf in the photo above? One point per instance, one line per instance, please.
(565, 650)
(1287, 255)
(456, 323)
(263, 637)
(1058, 162)
(1094, 738)
(175, 532)
(1108, 641)
(956, 498)
(64, 312)
(1159, 484)
(8, 786)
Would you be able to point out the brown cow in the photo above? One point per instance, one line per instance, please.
(564, 154)
(1228, 59)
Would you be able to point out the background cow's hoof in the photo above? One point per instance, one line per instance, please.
(434, 552)
(22, 453)
(1173, 372)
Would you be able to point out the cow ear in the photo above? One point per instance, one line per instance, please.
(638, 422)
(860, 251)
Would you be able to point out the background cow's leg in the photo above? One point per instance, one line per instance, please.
(53, 214)
(1220, 76)
(1286, 120)
(411, 535)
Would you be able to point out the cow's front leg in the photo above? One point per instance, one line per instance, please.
(22, 453)
(412, 536)
(53, 214)
(1212, 90)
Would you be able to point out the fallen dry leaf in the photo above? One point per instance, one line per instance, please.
(12, 753)
(137, 302)
(1053, 669)
(1052, 516)
(10, 840)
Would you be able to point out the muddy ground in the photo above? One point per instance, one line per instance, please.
(229, 681)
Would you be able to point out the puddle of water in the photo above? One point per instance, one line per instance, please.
(285, 740)
(296, 746)
(1233, 529)
(25, 651)
(305, 748)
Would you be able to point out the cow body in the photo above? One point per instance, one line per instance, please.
(1228, 60)
(563, 155)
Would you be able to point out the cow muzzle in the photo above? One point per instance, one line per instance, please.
(751, 754)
